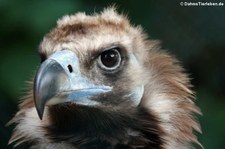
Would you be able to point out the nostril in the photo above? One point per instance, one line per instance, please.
(70, 68)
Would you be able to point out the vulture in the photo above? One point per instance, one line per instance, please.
(103, 84)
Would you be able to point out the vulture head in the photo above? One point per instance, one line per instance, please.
(103, 84)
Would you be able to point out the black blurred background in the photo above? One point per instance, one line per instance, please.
(196, 35)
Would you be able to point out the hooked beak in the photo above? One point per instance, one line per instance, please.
(59, 80)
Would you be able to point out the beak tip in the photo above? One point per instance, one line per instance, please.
(39, 109)
(40, 114)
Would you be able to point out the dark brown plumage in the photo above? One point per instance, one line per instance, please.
(103, 84)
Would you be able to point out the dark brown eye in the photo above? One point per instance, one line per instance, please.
(110, 59)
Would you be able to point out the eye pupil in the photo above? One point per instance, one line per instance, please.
(110, 58)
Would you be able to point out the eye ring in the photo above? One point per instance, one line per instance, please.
(110, 59)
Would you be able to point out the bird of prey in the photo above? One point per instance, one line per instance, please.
(102, 83)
